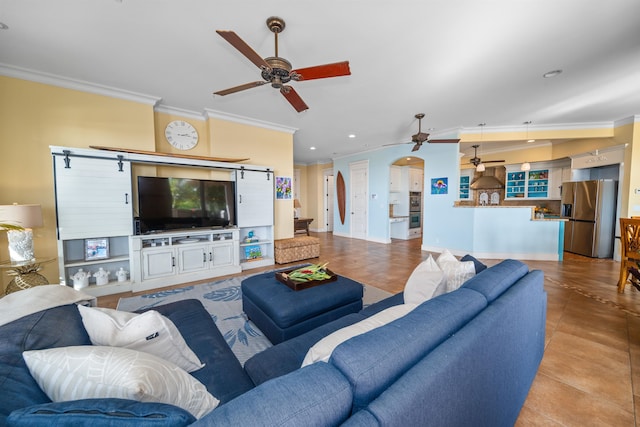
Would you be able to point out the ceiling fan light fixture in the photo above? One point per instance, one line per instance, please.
(526, 166)
(480, 168)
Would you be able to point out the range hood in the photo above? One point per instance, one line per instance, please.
(487, 181)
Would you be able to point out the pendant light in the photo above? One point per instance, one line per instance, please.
(526, 166)
(480, 167)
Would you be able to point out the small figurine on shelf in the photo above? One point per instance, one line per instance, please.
(81, 279)
(251, 237)
(102, 276)
(121, 275)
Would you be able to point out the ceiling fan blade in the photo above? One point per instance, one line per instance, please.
(244, 48)
(494, 161)
(416, 147)
(294, 99)
(239, 88)
(444, 141)
(324, 71)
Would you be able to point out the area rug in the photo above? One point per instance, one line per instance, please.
(223, 300)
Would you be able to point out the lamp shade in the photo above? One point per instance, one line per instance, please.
(296, 204)
(26, 216)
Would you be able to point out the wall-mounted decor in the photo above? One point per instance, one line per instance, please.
(340, 191)
(439, 185)
(283, 188)
(96, 249)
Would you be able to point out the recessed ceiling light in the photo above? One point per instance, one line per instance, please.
(550, 74)
(312, 148)
(352, 135)
(3, 26)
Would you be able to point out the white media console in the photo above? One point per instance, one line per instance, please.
(94, 202)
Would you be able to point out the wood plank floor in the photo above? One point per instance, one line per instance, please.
(590, 373)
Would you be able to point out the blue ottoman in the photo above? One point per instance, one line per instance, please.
(282, 313)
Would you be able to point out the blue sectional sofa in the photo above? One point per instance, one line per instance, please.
(463, 358)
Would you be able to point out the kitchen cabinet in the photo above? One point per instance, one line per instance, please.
(541, 182)
(395, 178)
(416, 179)
(466, 176)
(394, 198)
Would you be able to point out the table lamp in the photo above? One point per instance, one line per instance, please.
(296, 206)
(20, 240)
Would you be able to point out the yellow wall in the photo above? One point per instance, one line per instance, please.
(312, 193)
(630, 134)
(34, 116)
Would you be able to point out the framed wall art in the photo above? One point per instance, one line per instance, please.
(96, 249)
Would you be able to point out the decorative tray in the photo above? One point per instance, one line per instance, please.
(282, 277)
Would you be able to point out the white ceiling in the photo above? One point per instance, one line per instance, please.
(462, 62)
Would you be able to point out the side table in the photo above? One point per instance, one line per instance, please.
(301, 224)
(26, 274)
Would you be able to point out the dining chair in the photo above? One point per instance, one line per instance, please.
(630, 257)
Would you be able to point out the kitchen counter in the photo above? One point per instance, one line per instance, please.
(496, 232)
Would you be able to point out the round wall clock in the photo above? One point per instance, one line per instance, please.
(181, 135)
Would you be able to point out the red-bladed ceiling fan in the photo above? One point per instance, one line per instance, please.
(419, 138)
(277, 70)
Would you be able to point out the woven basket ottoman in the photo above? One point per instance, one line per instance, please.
(296, 249)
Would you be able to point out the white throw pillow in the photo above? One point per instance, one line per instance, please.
(90, 372)
(321, 351)
(455, 271)
(425, 280)
(150, 332)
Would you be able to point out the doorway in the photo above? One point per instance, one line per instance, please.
(406, 198)
(358, 201)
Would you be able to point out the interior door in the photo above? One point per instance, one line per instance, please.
(328, 202)
(358, 177)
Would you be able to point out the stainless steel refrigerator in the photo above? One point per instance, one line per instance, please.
(590, 207)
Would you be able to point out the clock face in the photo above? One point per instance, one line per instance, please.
(181, 135)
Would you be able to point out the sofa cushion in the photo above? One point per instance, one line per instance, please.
(321, 351)
(479, 265)
(478, 377)
(222, 374)
(456, 272)
(374, 360)
(316, 395)
(33, 332)
(493, 281)
(89, 372)
(426, 281)
(150, 332)
(288, 355)
(101, 412)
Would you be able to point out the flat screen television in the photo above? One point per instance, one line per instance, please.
(178, 203)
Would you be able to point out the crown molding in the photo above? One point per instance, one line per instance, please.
(532, 127)
(628, 120)
(214, 114)
(75, 84)
(176, 111)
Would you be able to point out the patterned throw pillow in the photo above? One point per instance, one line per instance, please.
(93, 372)
(150, 332)
(456, 272)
